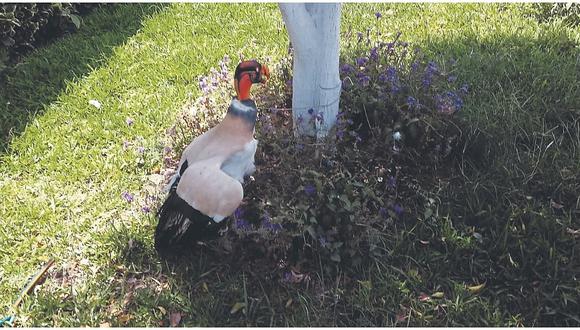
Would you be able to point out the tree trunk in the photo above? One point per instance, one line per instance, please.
(314, 32)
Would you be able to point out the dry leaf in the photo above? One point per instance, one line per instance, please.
(476, 288)
(555, 205)
(174, 319)
(401, 315)
(95, 103)
(289, 302)
(575, 233)
(124, 318)
(163, 310)
(237, 306)
(424, 297)
(157, 179)
(438, 295)
(295, 277)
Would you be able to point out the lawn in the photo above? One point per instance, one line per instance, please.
(507, 218)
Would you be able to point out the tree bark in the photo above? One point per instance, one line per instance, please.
(314, 32)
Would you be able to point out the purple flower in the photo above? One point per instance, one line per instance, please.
(140, 150)
(363, 79)
(464, 89)
(383, 212)
(340, 133)
(346, 69)
(398, 209)
(126, 144)
(322, 241)
(167, 150)
(239, 213)
(448, 103)
(432, 67)
(378, 15)
(374, 55)
(287, 276)
(310, 190)
(242, 224)
(391, 182)
(383, 78)
(361, 61)
(299, 120)
(127, 196)
(411, 102)
(203, 85)
(310, 111)
(271, 226)
(451, 79)
(391, 74)
(300, 146)
(414, 66)
(146, 209)
(129, 121)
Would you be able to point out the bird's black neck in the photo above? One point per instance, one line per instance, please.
(245, 109)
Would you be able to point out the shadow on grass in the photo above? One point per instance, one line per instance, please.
(28, 87)
(524, 96)
(205, 284)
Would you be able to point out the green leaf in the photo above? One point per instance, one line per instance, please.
(76, 20)
(335, 257)
(311, 231)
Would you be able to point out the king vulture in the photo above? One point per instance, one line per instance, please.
(207, 187)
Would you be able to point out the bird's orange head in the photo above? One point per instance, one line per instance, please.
(248, 73)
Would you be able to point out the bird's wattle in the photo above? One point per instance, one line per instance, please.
(243, 86)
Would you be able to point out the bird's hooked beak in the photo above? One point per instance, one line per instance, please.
(248, 73)
(265, 73)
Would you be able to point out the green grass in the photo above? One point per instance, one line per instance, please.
(65, 168)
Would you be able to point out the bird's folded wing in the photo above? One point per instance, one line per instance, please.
(206, 188)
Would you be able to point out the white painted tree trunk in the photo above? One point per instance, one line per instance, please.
(314, 32)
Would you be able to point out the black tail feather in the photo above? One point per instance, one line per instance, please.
(181, 226)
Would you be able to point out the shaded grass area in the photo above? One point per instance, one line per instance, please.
(26, 88)
(66, 173)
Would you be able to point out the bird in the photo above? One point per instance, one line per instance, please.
(207, 187)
